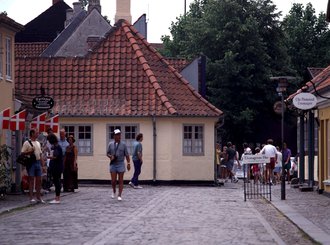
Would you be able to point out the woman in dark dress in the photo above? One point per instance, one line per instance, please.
(70, 175)
(56, 166)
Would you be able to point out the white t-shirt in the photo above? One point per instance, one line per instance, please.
(279, 159)
(269, 150)
(37, 148)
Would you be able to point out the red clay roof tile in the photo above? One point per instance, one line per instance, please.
(123, 76)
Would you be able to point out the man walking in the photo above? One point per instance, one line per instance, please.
(270, 151)
(230, 158)
(137, 160)
(62, 141)
(117, 151)
(287, 160)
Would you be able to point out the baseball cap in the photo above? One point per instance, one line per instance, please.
(116, 131)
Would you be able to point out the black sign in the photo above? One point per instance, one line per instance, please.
(43, 103)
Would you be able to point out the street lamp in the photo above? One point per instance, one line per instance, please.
(281, 89)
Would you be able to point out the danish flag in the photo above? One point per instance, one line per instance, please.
(52, 123)
(39, 122)
(5, 118)
(17, 122)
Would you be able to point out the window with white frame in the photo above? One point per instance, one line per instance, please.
(1, 56)
(8, 58)
(128, 134)
(193, 140)
(83, 137)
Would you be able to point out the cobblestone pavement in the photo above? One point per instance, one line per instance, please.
(153, 215)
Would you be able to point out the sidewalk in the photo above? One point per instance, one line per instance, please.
(307, 210)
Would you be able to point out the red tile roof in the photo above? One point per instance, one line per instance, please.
(316, 85)
(30, 49)
(123, 76)
(314, 71)
(178, 63)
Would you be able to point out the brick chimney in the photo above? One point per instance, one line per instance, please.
(123, 10)
(94, 4)
(56, 1)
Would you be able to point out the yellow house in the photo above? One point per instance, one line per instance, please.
(125, 83)
(8, 29)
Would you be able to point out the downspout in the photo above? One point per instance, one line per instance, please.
(311, 149)
(302, 147)
(154, 149)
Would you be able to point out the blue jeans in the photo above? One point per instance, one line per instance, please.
(137, 171)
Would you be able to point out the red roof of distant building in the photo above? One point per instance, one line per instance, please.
(123, 76)
(30, 49)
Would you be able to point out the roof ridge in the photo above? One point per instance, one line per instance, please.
(175, 72)
(147, 69)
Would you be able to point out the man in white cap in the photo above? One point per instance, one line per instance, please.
(117, 152)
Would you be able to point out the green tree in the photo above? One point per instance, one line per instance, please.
(243, 42)
(307, 38)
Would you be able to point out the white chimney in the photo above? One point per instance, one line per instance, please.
(123, 10)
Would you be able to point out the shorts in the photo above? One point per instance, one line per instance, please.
(277, 169)
(255, 168)
(230, 164)
(117, 168)
(287, 166)
(35, 169)
(272, 163)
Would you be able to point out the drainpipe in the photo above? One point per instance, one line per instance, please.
(302, 148)
(217, 125)
(311, 149)
(154, 149)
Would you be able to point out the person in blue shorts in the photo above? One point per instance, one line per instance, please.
(117, 152)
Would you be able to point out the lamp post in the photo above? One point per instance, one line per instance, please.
(281, 89)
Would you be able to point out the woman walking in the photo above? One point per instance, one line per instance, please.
(56, 166)
(70, 175)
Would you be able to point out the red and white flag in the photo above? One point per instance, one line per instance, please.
(5, 118)
(17, 122)
(39, 122)
(53, 123)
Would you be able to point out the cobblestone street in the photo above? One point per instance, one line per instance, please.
(153, 215)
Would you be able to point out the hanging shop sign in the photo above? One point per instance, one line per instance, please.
(304, 101)
(43, 103)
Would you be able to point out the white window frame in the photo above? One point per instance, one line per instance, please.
(81, 143)
(192, 145)
(9, 64)
(128, 140)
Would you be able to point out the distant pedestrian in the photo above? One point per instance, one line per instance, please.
(117, 152)
(230, 158)
(286, 154)
(56, 166)
(32, 148)
(70, 173)
(246, 151)
(217, 159)
(256, 168)
(270, 151)
(278, 165)
(137, 161)
(63, 141)
(223, 166)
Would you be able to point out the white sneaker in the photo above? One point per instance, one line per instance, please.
(138, 187)
(33, 201)
(131, 184)
(119, 199)
(113, 195)
(54, 202)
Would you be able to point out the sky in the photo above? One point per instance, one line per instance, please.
(160, 13)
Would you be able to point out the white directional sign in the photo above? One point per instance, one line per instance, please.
(250, 159)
